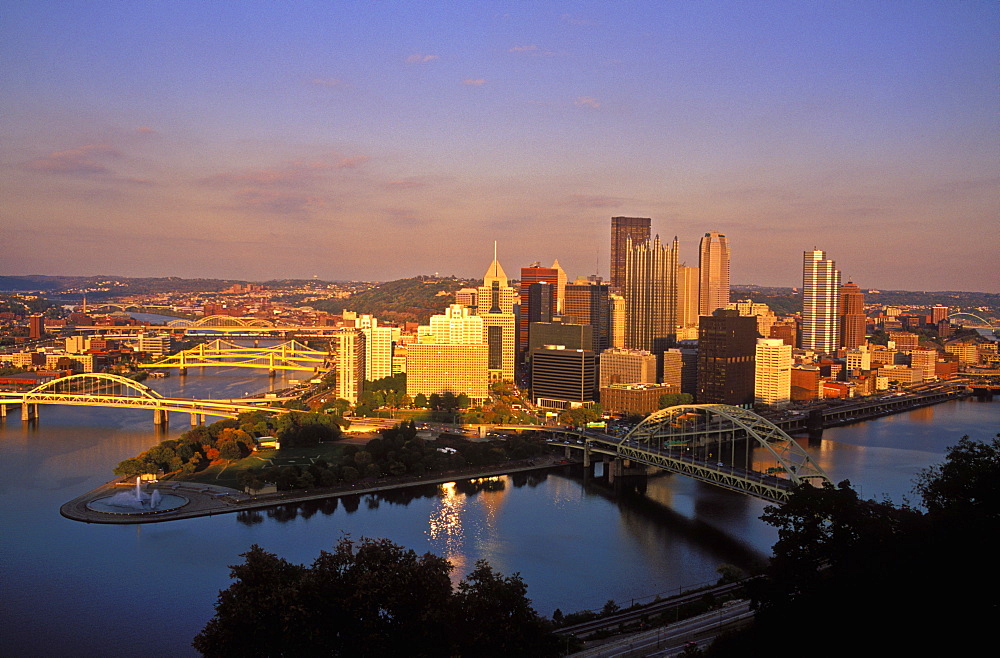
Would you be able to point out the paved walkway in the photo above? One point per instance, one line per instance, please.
(208, 499)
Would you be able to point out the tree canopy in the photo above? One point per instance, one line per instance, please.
(883, 578)
(371, 598)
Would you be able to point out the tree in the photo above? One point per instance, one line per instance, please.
(879, 567)
(966, 483)
(253, 615)
(371, 598)
(496, 617)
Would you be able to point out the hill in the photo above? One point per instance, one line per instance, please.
(404, 300)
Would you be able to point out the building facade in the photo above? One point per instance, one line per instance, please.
(727, 344)
(772, 372)
(650, 295)
(820, 303)
(713, 268)
(623, 229)
(852, 316)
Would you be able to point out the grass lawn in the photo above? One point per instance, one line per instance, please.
(227, 474)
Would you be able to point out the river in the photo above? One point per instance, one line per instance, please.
(90, 590)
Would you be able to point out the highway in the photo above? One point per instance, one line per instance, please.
(671, 640)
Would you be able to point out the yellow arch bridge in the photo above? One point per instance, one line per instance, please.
(726, 446)
(291, 355)
(104, 390)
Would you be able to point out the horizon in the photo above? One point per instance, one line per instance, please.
(796, 288)
(260, 141)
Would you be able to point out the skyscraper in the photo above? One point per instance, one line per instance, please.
(588, 303)
(727, 343)
(687, 302)
(852, 316)
(773, 372)
(650, 295)
(495, 305)
(622, 230)
(820, 287)
(531, 309)
(713, 268)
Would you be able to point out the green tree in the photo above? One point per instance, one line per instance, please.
(371, 598)
(495, 617)
(254, 614)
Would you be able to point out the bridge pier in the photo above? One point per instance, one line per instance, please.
(161, 417)
(197, 419)
(3, 412)
(182, 371)
(29, 412)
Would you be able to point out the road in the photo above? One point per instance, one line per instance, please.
(671, 640)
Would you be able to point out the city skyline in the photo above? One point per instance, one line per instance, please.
(368, 141)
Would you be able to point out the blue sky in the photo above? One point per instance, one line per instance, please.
(376, 140)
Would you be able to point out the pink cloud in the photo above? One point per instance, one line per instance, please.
(524, 49)
(474, 82)
(85, 160)
(420, 58)
(288, 174)
(587, 101)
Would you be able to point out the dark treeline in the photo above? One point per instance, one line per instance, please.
(859, 577)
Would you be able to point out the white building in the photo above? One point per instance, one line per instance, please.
(820, 300)
(772, 372)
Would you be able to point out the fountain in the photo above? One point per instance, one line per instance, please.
(137, 502)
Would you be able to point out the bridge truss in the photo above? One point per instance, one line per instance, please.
(291, 355)
(106, 390)
(727, 446)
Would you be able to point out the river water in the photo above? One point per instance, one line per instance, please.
(70, 587)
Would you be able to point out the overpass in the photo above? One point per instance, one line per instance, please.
(104, 390)
(725, 446)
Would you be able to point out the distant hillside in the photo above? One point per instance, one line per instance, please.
(784, 301)
(403, 300)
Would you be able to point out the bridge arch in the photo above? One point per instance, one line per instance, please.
(88, 382)
(699, 425)
(964, 317)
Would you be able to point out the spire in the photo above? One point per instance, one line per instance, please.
(495, 272)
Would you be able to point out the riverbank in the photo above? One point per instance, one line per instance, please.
(210, 500)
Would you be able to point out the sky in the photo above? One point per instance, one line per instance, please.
(379, 140)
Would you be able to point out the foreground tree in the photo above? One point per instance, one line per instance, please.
(882, 579)
(371, 598)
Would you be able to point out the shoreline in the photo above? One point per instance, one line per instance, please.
(210, 500)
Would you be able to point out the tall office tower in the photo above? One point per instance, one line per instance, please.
(713, 268)
(347, 346)
(687, 302)
(772, 372)
(36, 326)
(589, 303)
(378, 347)
(451, 355)
(560, 287)
(530, 311)
(727, 343)
(617, 318)
(562, 378)
(938, 313)
(852, 316)
(624, 229)
(650, 295)
(495, 305)
(820, 287)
